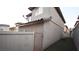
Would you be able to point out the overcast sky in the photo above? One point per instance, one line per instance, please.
(11, 11)
(70, 15)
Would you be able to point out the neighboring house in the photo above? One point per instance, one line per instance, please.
(12, 29)
(71, 32)
(18, 25)
(16, 28)
(4, 27)
(77, 22)
(66, 29)
(75, 33)
(66, 32)
(48, 25)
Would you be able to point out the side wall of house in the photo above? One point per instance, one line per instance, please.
(56, 18)
(75, 36)
(47, 12)
(53, 30)
(52, 33)
(40, 12)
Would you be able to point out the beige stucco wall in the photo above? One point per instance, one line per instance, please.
(33, 28)
(53, 30)
(47, 12)
(34, 17)
(56, 18)
(52, 33)
(46, 34)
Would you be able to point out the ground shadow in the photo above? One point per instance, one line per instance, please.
(65, 44)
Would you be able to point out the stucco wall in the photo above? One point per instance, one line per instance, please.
(47, 12)
(38, 34)
(38, 41)
(66, 35)
(56, 18)
(33, 28)
(16, 41)
(52, 30)
(52, 33)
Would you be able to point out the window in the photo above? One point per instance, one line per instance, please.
(39, 11)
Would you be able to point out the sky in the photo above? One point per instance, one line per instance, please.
(70, 15)
(11, 12)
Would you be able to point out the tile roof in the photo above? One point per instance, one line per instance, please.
(42, 20)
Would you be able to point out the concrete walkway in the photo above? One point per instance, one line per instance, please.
(65, 44)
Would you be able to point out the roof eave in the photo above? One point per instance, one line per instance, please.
(31, 8)
(28, 15)
(60, 13)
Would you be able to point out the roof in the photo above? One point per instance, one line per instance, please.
(4, 25)
(18, 23)
(66, 26)
(31, 8)
(60, 13)
(36, 22)
(28, 15)
(76, 23)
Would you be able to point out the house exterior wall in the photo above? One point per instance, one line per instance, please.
(38, 28)
(4, 28)
(47, 12)
(52, 33)
(66, 32)
(75, 36)
(43, 13)
(16, 41)
(56, 18)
